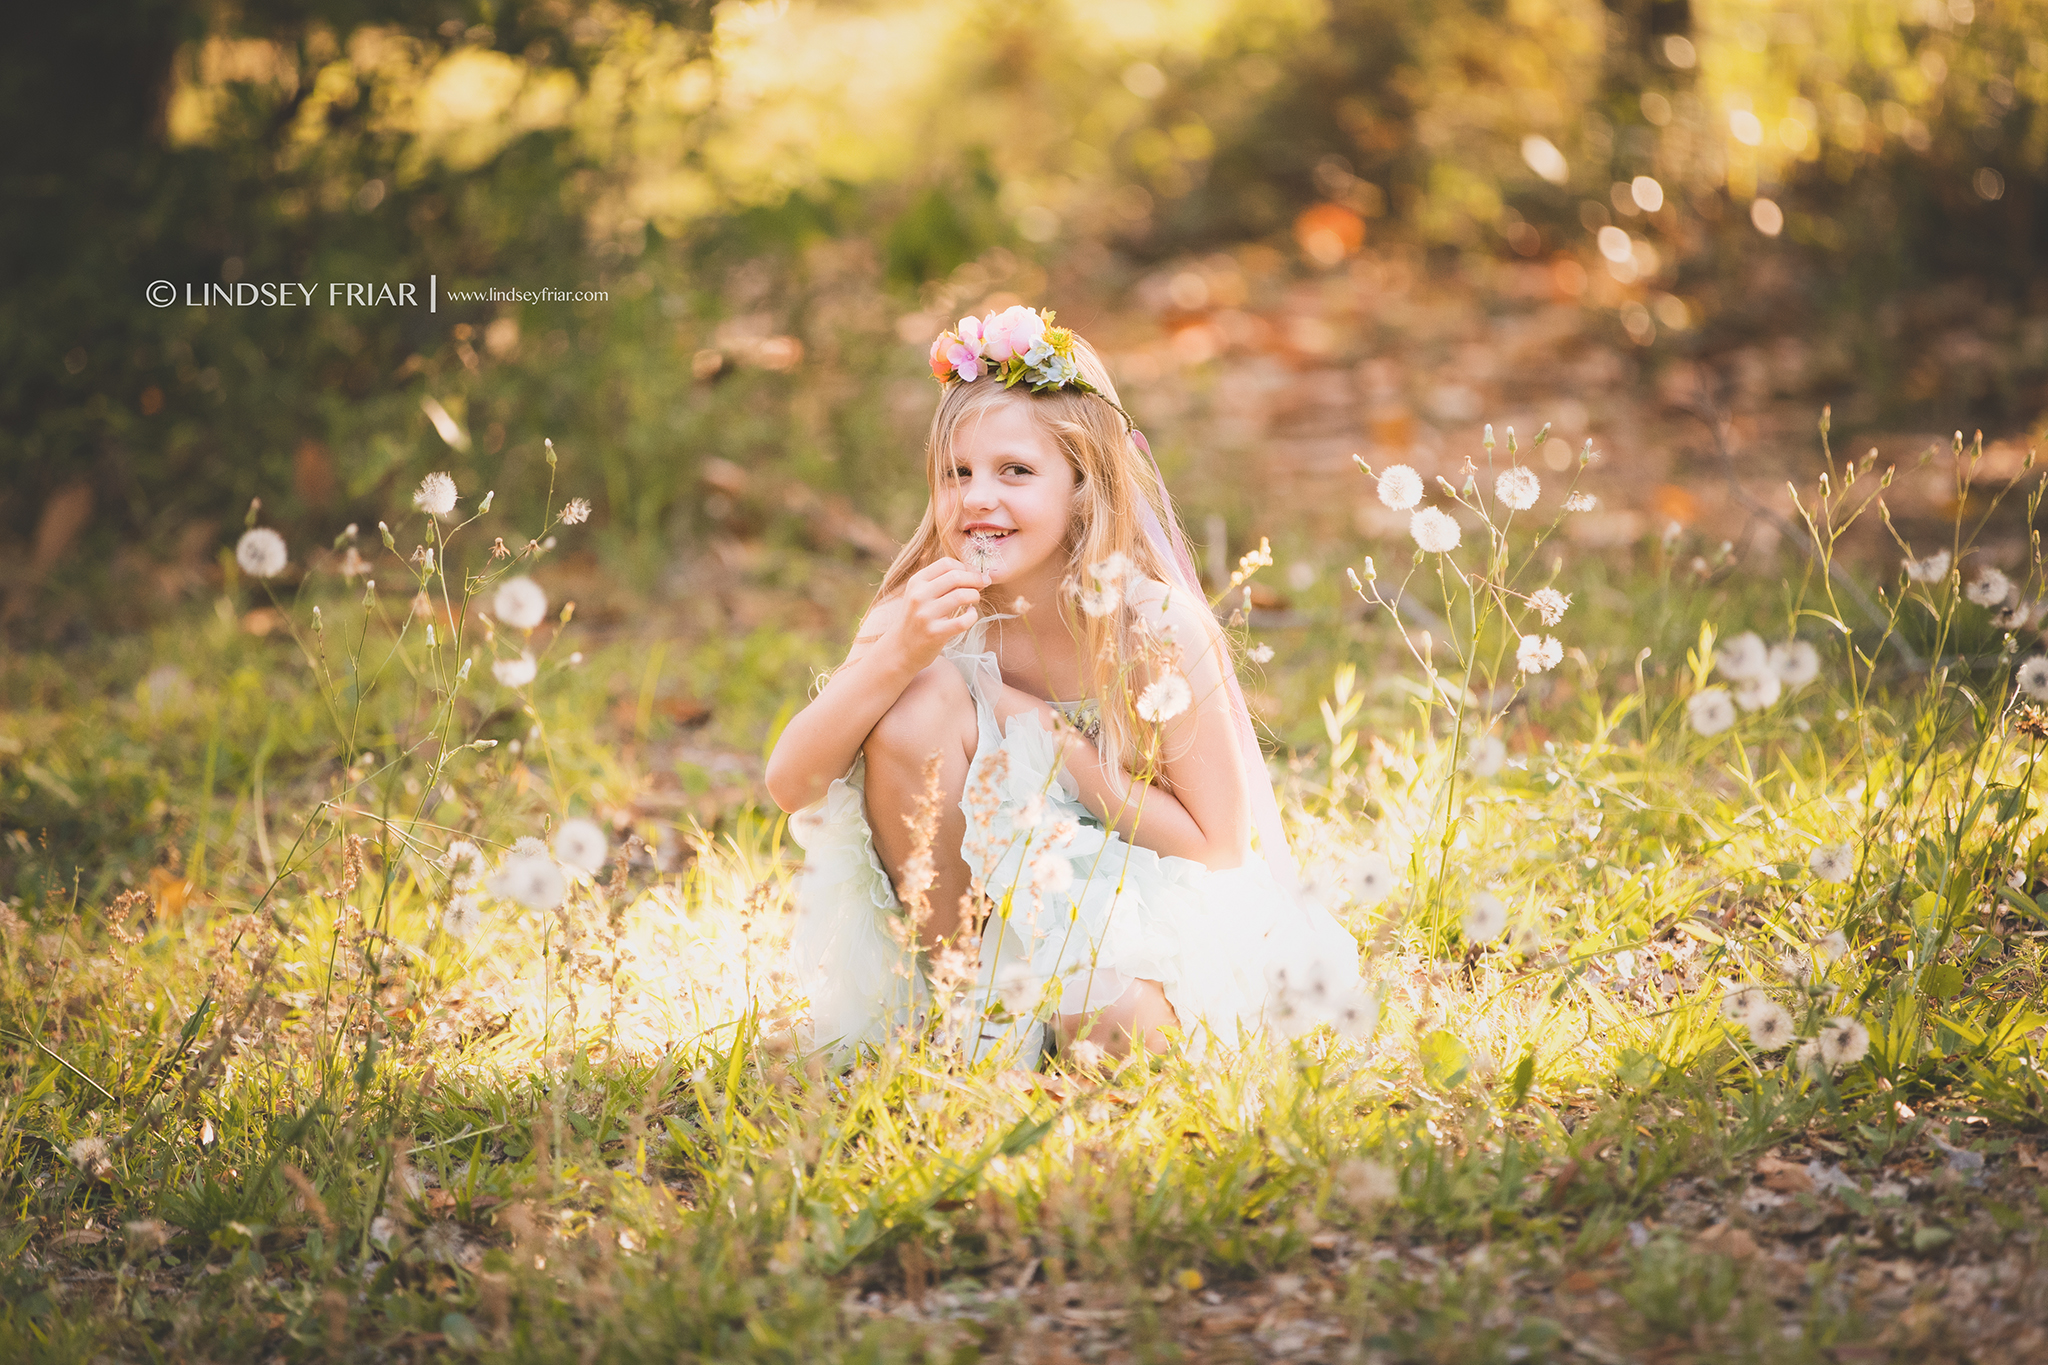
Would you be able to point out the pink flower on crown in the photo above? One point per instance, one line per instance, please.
(942, 363)
(1011, 332)
(962, 350)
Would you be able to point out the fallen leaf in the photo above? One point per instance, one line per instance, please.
(1724, 1239)
(1783, 1176)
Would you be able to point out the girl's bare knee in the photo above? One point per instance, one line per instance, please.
(1140, 1016)
(933, 708)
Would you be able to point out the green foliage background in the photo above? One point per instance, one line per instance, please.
(817, 170)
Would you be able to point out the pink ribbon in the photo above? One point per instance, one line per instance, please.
(1172, 548)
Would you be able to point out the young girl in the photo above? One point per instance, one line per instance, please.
(1043, 652)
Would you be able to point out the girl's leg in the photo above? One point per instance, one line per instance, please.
(1139, 1014)
(935, 715)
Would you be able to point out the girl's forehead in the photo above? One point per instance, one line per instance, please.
(1003, 428)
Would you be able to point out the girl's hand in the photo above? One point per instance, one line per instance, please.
(938, 603)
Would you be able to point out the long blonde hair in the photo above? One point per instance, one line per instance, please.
(1113, 486)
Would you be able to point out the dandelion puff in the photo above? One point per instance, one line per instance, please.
(90, 1154)
(1754, 694)
(1843, 1041)
(261, 552)
(1087, 1055)
(1833, 863)
(2031, 677)
(1833, 946)
(1795, 663)
(1538, 653)
(533, 881)
(1808, 1059)
(1434, 530)
(1115, 569)
(1741, 1002)
(580, 843)
(1101, 600)
(1517, 488)
(1990, 589)
(1488, 756)
(575, 512)
(1550, 604)
(1051, 873)
(436, 495)
(1710, 710)
(516, 672)
(520, 603)
(465, 863)
(463, 920)
(1743, 657)
(1165, 699)
(1932, 569)
(2014, 617)
(1400, 487)
(529, 846)
(1354, 1014)
(1770, 1026)
(1486, 919)
(1581, 502)
(1369, 877)
(1260, 653)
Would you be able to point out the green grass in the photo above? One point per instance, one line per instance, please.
(333, 1132)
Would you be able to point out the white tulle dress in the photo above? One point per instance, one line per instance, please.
(1236, 951)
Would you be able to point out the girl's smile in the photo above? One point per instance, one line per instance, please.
(1009, 495)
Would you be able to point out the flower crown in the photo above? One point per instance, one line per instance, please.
(1017, 345)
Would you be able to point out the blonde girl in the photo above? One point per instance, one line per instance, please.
(1041, 655)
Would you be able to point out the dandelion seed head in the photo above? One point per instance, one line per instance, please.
(1485, 919)
(580, 843)
(1051, 873)
(1710, 710)
(1770, 1026)
(1843, 1041)
(1434, 530)
(90, 1154)
(1260, 653)
(1165, 699)
(2031, 677)
(1743, 657)
(1489, 755)
(463, 919)
(1581, 502)
(2016, 616)
(520, 603)
(261, 552)
(1833, 863)
(1517, 488)
(1538, 653)
(1833, 946)
(575, 512)
(533, 880)
(1741, 1002)
(1754, 694)
(516, 672)
(1400, 487)
(1795, 663)
(1550, 604)
(1933, 569)
(1369, 877)
(1990, 589)
(436, 495)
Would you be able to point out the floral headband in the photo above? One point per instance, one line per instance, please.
(1017, 345)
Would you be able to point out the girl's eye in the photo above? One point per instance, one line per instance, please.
(1024, 469)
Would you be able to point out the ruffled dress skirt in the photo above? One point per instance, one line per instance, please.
(1079, 914)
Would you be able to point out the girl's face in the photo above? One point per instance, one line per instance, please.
(1006, 503)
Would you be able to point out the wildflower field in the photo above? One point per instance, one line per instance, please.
(391, 970)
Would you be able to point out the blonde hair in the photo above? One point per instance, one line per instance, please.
(1114, 485)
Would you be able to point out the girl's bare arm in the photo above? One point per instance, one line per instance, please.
(895, 643)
